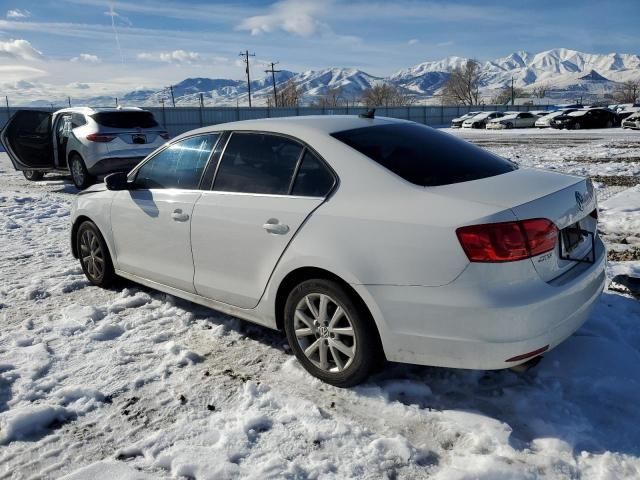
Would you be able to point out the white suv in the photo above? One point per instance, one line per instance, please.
(85, 141)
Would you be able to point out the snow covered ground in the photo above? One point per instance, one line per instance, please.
(132, 383)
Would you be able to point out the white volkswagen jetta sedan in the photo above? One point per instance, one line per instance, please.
(363, 239)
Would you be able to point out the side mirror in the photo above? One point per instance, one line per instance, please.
(117, 181)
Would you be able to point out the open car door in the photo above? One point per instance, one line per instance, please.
(28, 140)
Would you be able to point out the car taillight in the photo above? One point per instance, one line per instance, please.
(97, 137)
(165, 135)
(508, 241)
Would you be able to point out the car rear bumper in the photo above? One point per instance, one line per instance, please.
(480, 323)
(110, 165)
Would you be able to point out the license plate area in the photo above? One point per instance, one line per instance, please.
(571, 238)
(139, 139)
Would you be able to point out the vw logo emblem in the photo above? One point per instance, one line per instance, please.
(580, 201)
(324, 332)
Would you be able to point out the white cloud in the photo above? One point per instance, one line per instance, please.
(413, 41)
(293, 16)
(79, 85)
(19, 50)
(177, 56)
(86, 58)
(17, 13)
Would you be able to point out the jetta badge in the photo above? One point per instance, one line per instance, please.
(580, 201)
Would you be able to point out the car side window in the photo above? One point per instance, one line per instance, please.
(313, 179)
(77, 120)
(257, 163)
(178, 166)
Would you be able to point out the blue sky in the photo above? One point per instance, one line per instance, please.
(117, 45)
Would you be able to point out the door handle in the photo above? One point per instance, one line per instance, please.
(178, 216)
(273, 225)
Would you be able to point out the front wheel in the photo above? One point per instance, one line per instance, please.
(94, 255)
(79, 173)
(509, 125)
(331, 333)
(33, 175)
(577, 126)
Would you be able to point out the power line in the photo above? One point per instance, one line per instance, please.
(246, 56)
(273, 77)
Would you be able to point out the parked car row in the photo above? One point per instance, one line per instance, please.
(573, 118)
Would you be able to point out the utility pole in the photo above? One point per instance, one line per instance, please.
(273, 78)
(69, 100)
(6, 99)
(512, 93)
(246, 56)
(201, 100)
(116, 101)
(173, 100)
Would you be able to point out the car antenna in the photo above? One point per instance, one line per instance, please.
(370, 114)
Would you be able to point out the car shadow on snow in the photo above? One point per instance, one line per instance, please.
(584, 392)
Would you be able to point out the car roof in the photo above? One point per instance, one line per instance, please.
(295, 126)
(92, 110)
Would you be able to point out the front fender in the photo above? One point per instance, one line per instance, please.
(96, 207)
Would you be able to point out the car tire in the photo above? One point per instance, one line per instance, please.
(609, 124)
(509, 125)
(79, 173)
(475, 125)
(577, 126)
(340, 346)
(33, 175)
(94, 256)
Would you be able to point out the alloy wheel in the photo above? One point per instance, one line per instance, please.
(77, 171)
(324, 332)
(91, 254)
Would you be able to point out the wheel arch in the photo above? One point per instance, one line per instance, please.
(74, 231)
(301, 274)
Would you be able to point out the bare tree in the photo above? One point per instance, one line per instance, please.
(385, 95)
(504, 96)
(627, 92)
(463, 84)
(540, 91)
(331, 99)
(290, 94)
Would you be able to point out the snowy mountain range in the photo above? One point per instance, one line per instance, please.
(564, 73)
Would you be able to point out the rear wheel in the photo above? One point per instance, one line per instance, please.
(331, 334)
(33, 175)
(577, 126)
(79, 173)
(94, 255)
(509, 125)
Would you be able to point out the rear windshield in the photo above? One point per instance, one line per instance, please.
(125, 119)
(424, 156)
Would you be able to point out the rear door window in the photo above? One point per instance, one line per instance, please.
(313, 179)
(424, 156)
(257, 163)
(179, 165)
(125, 119)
